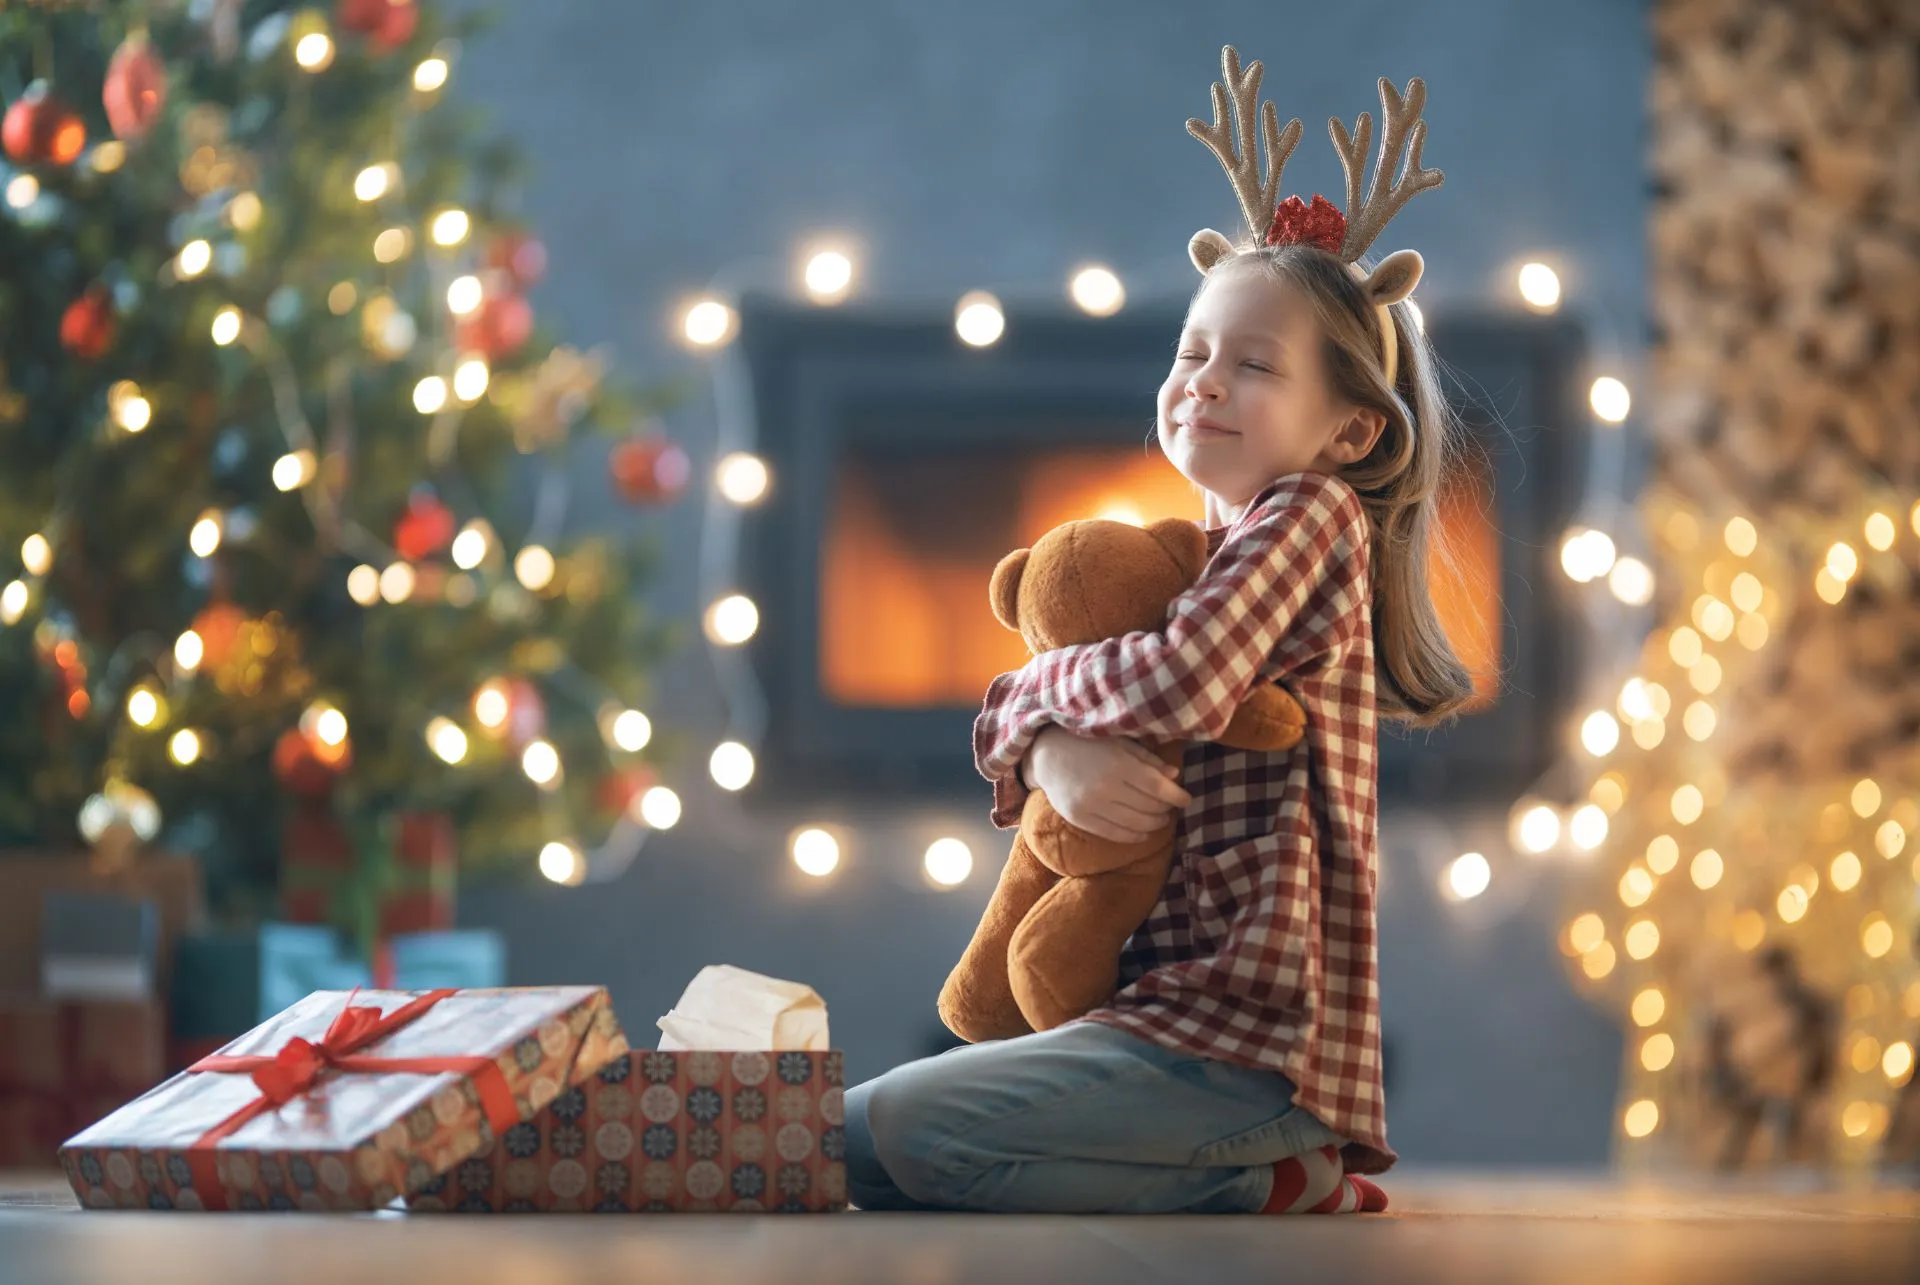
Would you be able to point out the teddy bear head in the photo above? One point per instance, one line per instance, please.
(1092, 579)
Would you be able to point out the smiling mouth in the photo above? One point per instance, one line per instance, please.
(1207, 428)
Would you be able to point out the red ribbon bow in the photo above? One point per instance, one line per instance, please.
(300, 1063)
(1321, 224)
(295, 1067)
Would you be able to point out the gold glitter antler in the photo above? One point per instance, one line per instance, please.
(1404, 128)
(1241, 158)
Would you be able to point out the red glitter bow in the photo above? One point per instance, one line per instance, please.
(1320, 224)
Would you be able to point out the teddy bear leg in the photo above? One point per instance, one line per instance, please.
(1268, 719)
(977, 1002)
(1065, 957)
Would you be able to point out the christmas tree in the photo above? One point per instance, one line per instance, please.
(284, 481)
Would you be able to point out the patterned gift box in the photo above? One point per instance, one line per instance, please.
(681, 1132)
(346, 1100)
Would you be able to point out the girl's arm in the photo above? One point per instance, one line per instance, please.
(1280, 588)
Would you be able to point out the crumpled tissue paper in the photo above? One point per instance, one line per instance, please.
(730, 1009)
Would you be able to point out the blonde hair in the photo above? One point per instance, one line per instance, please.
(1421, 681)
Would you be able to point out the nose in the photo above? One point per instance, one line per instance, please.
(1203, 385)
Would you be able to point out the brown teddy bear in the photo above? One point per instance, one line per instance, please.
(1048, 946)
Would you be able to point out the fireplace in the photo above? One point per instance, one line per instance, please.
(906, 464)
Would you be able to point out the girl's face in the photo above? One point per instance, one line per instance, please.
(1247, 399)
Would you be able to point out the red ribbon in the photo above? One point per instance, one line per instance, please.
(301, 1063)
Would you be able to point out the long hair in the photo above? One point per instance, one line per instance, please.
(1421, 681)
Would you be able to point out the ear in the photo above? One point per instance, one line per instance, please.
(1354, 439)
(1208, 248)
(1395, 276)
(1184, 541)
(1004, 590)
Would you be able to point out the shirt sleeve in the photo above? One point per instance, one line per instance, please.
(1283, 588)
(1009, 791)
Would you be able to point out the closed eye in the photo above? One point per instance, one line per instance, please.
(1258, 366)
(1187, 356)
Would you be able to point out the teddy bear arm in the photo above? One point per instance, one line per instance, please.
(1069, 851)
(1269, 719)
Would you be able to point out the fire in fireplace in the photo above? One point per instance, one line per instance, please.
(908, 464)
(913, 535)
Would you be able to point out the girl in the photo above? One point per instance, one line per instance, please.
(1237, 1069)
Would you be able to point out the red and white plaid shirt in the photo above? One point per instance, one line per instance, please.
(1261, 951)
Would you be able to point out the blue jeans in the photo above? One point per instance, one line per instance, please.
(1081, 1119)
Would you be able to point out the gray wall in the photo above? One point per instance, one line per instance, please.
(997, 144)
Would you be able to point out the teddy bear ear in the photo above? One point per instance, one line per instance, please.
(1005, 588)
(1184, 541)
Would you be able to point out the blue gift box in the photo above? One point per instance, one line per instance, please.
(226, 983)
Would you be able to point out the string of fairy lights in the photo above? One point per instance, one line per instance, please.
(825, 271)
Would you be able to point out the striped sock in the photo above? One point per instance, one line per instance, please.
(1317, 1183)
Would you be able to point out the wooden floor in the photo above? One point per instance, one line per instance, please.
(1444, 1227)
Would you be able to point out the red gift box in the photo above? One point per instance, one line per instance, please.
(670, 1132)
(65, 1065)
(421, 897)
(412, 887)
(345, 1100)
(316, 859)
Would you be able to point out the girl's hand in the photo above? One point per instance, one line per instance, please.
(1109, 787)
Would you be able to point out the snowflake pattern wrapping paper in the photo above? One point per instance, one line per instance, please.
(670, 1132)
(345, 1101)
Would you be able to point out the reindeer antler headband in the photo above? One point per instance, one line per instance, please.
(1292, 220)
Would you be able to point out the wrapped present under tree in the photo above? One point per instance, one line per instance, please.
(381, 876)
(228, 982)
(65, 1065)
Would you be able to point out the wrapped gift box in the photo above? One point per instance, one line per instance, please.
(64, 1065)
(345, 1100)
(99, 946)
(670, 1132)
(406, 868)
(173, 883)
(226, 983)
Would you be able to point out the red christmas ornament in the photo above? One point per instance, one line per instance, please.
(1321, 224)
(136, 89)
(218, 625)
(363, 16)
(87, 327)
(649, 469)
(424, 530)
(497, 328)
(620, 790)
(522, 258)
(40, 128)
(396, 27)
(307, 766)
